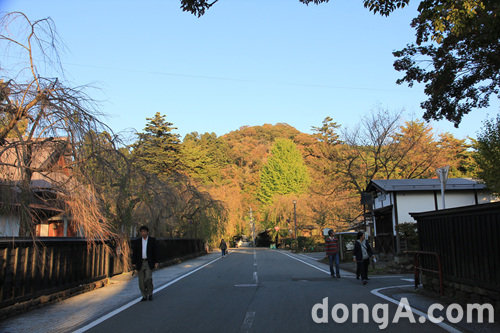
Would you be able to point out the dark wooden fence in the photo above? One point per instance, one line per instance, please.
(29, 270)
(467, 239)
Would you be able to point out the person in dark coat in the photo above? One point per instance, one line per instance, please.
(362, 254)
(223, 247)
(144, 260)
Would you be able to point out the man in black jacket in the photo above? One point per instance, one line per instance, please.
(362, 254)
(144, 261)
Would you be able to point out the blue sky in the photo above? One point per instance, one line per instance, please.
(246, 62)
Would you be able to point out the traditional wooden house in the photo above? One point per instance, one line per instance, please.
(394, 199)
(38, 200)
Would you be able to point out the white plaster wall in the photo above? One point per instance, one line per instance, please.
(413, 202)
(9, 226)
(456, 199)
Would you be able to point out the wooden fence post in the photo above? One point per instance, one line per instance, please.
(14, 271)
(3, 270)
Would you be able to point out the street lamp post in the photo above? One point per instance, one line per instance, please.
(295, 216)
(253, 227)
(443, 177)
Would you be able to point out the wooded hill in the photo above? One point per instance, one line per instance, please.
(268, 167)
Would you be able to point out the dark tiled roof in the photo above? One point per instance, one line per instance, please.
(40, 183)
(453, 184)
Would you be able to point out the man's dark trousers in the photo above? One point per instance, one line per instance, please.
(146, 279)
(331, 259)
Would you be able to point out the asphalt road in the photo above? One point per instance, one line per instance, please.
(261, 291)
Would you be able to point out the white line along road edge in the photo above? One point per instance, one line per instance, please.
(304, 262)
(344, 273)
(443, 325)
(137, 300)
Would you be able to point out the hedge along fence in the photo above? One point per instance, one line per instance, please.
(29, 270)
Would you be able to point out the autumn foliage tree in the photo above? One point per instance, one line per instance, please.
(382, 148)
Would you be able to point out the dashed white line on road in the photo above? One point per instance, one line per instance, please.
(247, 322)
(255, 277)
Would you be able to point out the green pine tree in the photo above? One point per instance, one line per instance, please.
(488, 154)
(158, 149)
(204, 156)
(284, 172)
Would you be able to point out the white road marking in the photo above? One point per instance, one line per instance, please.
(255, 277)
(385, 276)
(409, 280)
(444, 326)
(137, 300)
(246, 285)
(309, 257)
(343, 273)
(247, 322)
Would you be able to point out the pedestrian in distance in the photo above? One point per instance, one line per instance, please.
(362, 254)
(332, 251)
(144, 260)
(223, 247)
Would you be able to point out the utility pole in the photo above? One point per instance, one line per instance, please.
(295, 216)
(253, 227)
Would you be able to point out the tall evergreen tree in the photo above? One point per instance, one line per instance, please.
(488, 154)
(158, 149)
(204, 156)
(284, 172)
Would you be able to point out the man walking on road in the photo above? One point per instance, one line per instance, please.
(144, 261)
(362, 254)
(331, 247)
(223, 247)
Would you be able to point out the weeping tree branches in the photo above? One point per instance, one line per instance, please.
(44, 121)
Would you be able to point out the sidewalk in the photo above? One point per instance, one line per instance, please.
(74, 312)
